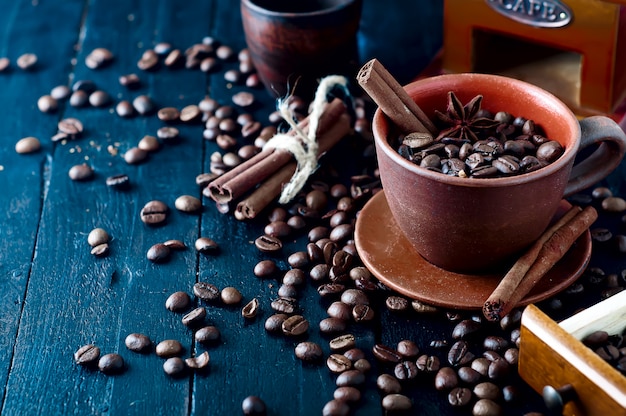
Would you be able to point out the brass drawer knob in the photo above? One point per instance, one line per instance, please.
(555, 399)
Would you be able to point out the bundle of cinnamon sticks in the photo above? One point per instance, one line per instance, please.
(260, 179)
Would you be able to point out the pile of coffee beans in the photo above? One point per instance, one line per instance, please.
(610, 347)
(513, 147)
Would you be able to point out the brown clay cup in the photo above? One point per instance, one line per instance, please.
(295, 43)
(478, 225)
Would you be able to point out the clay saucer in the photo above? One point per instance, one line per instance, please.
(392, 259)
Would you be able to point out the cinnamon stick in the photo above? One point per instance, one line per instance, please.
(393, 100)
(271, 188)
(236, 182)
(540, 258)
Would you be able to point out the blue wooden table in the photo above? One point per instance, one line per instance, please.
(55, 296)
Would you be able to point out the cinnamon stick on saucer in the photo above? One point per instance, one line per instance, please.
(393, 100)
(537, 261)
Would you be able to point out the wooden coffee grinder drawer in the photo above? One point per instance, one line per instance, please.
(554, 362)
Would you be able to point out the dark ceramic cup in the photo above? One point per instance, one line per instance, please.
(295, 43)
(476, 225)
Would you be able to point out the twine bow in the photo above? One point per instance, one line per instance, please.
(303, 147)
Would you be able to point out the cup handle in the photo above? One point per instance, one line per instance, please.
(611, 146)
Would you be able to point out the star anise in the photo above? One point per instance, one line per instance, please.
(463, 121)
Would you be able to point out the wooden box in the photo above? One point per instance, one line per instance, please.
(572, 48)
(552, 355)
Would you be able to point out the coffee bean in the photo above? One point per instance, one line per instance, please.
(487, 390)
(308, 351)
(205, 291)
(468, 375)
(284, 305)
(347, 394)
(82, 172)
(158, 253)
(243, 99)
(446, 379)
(149, 143)
(174, 366)
(47, 104)
(198, 362)
(98, 236)
(421, 307)
(274, 323)
(206, 245)
(428, 363)
(195, 317)
(405, 370)
(87, 355)
(98, 58)
(350, 378)
(294, 277)
(265, 269)
(342, 342)
(99, 98)
(27, 61)
(251, 309)
(135, 155)
(332, 325)
(299, 259)
(510, 394)
(154, 213)
(397, 303)
(143, 104)
(512, 356)
(386, 354)
(207, 335)
(459, 354)
(407, 348)
(168, 114)
(231, 296)
(121, 181)
(168, 348)
(354, 297)
(178, 301)
(5, 63)
(138, 342)
(27, 145)
(396, 403)
(336, 408)
(188, 203)
(341, 232)
(486, 407)
(465, 328)
(190, 113)
(362, 313)
(498, 369)
(253, 406)
(338, 363)
(388, 384)
(495, 343)
(111, 363)
(130, 81)
(287, 291)
(330, 289)
(319, 272)
(460, 396)
(100, 250)
(339, 310)
(168, 133)
(79, 98)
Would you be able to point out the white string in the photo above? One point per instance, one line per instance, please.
(303, 147)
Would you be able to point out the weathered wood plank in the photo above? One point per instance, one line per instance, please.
(23, 178)
(75, 298)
